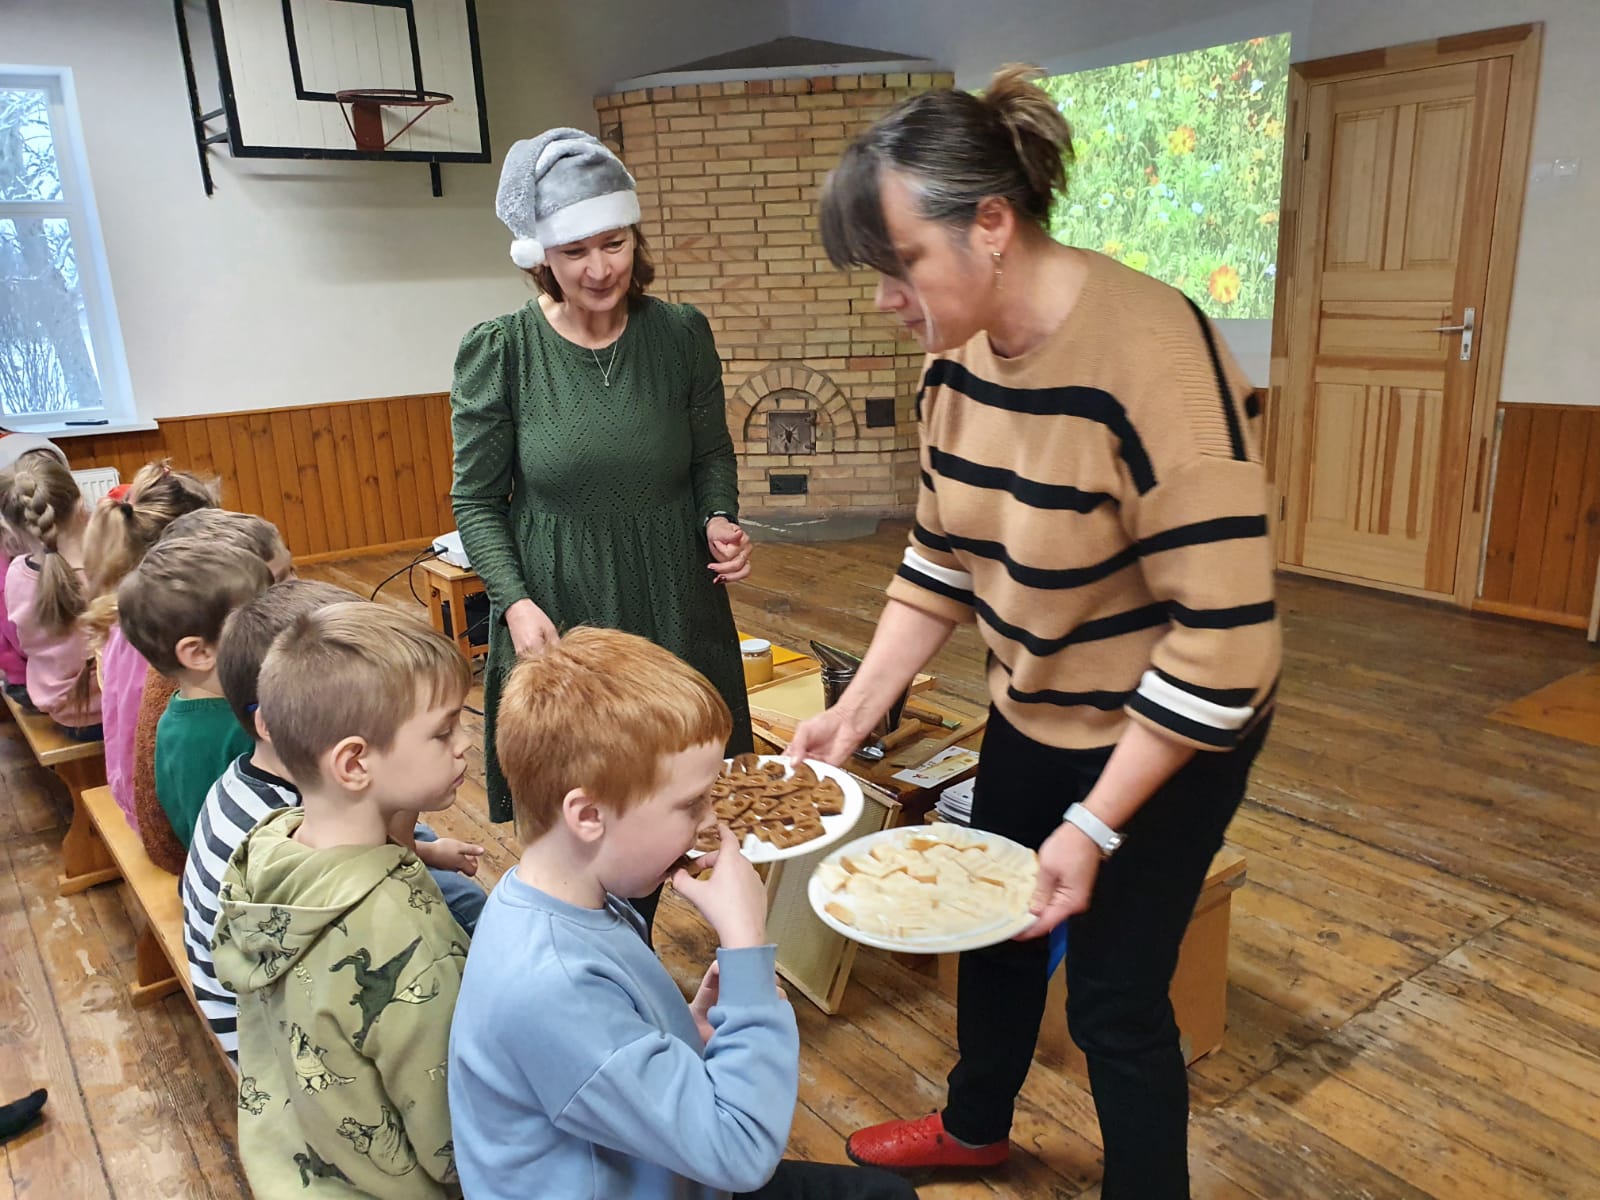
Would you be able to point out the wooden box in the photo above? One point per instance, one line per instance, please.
(1199, 987)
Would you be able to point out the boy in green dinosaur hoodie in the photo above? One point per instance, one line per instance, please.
(336, 940)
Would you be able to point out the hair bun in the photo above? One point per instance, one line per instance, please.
(1039, 133)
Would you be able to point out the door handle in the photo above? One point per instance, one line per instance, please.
(1465, 329)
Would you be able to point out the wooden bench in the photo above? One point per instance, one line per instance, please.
(80, 765)
(161, 966)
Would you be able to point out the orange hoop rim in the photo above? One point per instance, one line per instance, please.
(422, 100)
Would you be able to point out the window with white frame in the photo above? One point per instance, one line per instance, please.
(61, 357)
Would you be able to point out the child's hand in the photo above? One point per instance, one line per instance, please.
(734, 900)
(450, 854)
(704, 1001)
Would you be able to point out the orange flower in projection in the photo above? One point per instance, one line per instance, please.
(1224, 285)
(1181, 140)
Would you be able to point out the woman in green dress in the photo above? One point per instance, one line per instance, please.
(595, 482)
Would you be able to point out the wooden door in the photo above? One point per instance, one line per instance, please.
(1397, 206)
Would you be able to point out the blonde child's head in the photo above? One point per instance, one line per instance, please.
(565, 716)
(40, 500)
(363, 700)
(250, 630)
(121, 531)
(172, 606)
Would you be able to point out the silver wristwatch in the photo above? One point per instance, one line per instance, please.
(1096, 830)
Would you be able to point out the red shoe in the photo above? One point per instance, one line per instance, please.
(915, 1145)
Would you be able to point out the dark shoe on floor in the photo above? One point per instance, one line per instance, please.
(19, 1114)
(19, 693)
(918, 1145)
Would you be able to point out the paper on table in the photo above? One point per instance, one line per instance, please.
(942, 766)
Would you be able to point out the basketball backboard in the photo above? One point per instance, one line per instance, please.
(281, 63)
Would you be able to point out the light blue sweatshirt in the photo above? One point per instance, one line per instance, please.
(576, 1070)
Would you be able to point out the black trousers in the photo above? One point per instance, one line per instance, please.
(824, 1181)
(1121, 955)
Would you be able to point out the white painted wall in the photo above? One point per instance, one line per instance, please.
(1552, 352)
(305, 282)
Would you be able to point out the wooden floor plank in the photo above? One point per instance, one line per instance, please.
(1562, 1087)
(143, 1137)
(1270, 1150)
(1397, 1134)
(60, 1156)
(1568, 708)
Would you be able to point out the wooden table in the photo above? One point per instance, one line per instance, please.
(449, 586)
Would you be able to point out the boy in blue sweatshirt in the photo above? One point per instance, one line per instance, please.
(576, 1068)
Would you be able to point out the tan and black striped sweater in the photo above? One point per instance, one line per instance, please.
(1098, 505)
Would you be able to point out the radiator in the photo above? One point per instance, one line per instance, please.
(95, 482)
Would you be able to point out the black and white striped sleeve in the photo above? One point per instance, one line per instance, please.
(930, 577)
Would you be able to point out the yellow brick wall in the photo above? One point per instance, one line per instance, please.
(729, 175)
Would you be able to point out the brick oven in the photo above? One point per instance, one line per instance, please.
(730, 154)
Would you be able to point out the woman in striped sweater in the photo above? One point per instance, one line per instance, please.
(1092, 497)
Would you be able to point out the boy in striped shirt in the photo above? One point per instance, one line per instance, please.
(252, 786)
(255, 785)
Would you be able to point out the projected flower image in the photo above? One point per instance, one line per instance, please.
(1179, 165)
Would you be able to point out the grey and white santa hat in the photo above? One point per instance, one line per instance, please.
(561, 187)
(14, 445)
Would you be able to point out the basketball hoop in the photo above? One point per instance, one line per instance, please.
(364, 114)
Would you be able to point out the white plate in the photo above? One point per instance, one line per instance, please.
(833, 828)
(989, 934)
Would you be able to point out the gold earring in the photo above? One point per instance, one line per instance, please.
(999, 269)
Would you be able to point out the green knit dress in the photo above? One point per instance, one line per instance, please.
(591, 500)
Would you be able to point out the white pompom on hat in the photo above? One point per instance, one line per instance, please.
(561, 187)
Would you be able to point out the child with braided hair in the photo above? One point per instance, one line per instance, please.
(13, 664)
(44, 588)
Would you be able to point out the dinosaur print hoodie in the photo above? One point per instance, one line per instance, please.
(346, 963)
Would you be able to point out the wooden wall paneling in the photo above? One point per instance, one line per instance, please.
(1583, 587)
(325, 472)
(243, 490)
(220, 441)
(259, 426)
(197, 456)
(350, 491)
(444, 466)
(1544, 520)
(366, 448)
(318, 539)
(336, 479)
(1561, 522)
(1543, 438)
(430, 454)
(405, 467)
(174, 445)
(1500, 556)
(383, 449)
(286, 496)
